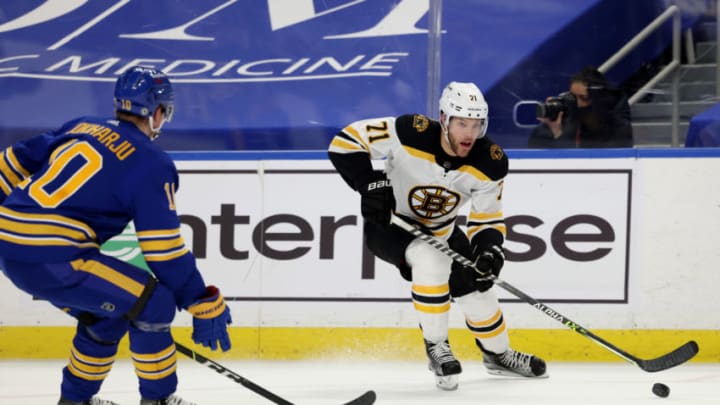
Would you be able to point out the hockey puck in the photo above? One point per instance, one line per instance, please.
(661, 390)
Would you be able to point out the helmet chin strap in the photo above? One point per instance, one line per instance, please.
(446, 135)
(445, 125)
(446, 131)
(154, 132)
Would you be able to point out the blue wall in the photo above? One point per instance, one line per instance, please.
(287, 74)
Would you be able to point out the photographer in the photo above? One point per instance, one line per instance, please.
(592, 114)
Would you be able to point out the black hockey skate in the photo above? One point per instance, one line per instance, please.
(512, 363)
(171, 400)
(91, 401)
(444, 364)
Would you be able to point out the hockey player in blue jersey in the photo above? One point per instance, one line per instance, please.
(66, 192)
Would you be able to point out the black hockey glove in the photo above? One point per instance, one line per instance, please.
(377, 201)
(489, 259)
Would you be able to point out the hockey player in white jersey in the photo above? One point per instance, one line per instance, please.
(432, 169)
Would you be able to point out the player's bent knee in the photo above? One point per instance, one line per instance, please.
(107, 331)
(158, 311)
(429, 267)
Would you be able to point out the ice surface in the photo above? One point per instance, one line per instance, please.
(36, 382)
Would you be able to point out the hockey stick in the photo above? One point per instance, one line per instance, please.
(666, 361)
(367, 398)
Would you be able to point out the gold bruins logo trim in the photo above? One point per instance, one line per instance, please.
(496, 152)
(420, 122)
(431, 202)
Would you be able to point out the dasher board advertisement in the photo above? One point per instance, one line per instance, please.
(292, 231)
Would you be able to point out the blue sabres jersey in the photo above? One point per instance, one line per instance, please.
(66, 192)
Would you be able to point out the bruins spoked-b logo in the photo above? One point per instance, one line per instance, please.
(432, 202)
(496, 152)
(420, 122)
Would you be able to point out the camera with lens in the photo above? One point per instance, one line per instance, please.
(550, 109)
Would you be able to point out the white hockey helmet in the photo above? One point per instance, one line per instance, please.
(465, 100)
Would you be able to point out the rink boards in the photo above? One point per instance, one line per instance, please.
(619, 241)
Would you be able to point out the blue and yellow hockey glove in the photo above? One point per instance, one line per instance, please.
(210, 320)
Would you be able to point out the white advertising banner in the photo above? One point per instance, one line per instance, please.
(275, 233)
(569, 228)
(291, 231)
(612, 242)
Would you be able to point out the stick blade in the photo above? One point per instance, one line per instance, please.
(672, 359)
(367, 398)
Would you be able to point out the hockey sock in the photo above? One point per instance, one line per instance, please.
(485, 320)
(155, 360)
(90, 362)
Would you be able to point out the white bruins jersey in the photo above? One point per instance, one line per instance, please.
(430, 186)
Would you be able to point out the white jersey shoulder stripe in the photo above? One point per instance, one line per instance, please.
(355, 134)
(474, 172)
(419, 153)
(343, 145)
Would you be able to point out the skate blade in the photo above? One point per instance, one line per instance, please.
(507, 373)
(447, 382)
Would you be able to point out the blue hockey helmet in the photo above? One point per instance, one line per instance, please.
(141, 90)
